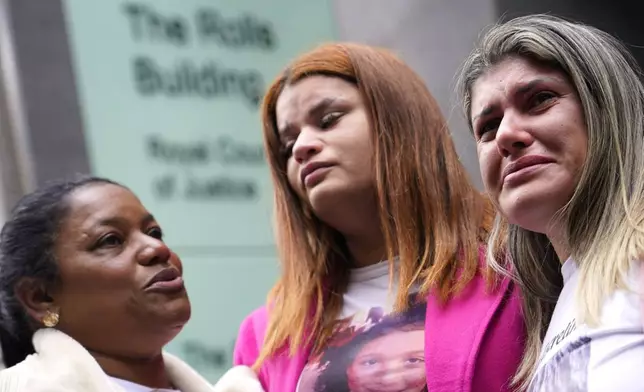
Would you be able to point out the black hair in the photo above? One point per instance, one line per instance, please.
(27, 244)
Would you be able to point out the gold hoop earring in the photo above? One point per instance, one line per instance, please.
(51, 319)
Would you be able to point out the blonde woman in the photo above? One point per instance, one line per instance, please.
(557, 110)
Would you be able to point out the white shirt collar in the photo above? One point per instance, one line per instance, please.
(129, 386)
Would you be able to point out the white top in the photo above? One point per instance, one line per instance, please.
(609, 357)
(368, 288)
(61, 364)
(372, 349)
(133, 387)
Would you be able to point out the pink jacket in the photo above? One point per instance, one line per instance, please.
(473, 344)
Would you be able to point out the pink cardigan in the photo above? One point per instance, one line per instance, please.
(473, 344)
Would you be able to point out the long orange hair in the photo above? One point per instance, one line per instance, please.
(432, 217)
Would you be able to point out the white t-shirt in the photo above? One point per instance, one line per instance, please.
(607, 358)
(129, 386)
(372, 349)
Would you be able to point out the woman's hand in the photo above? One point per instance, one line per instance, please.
(239, 379)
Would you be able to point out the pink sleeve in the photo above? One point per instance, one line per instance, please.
(250, 338)
(249, 342)
(246, 346)
(501, 351)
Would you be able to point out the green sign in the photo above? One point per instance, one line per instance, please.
(169, 93)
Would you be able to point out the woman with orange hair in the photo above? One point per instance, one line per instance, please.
(375, 215)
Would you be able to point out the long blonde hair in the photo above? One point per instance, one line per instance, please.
(605, 216)
(428, 206)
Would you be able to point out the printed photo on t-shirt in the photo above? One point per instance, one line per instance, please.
(372, 352)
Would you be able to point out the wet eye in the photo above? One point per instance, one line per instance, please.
(541, 98)
(329, 119)
(488, 126)
(109, 241)
(156, 232)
